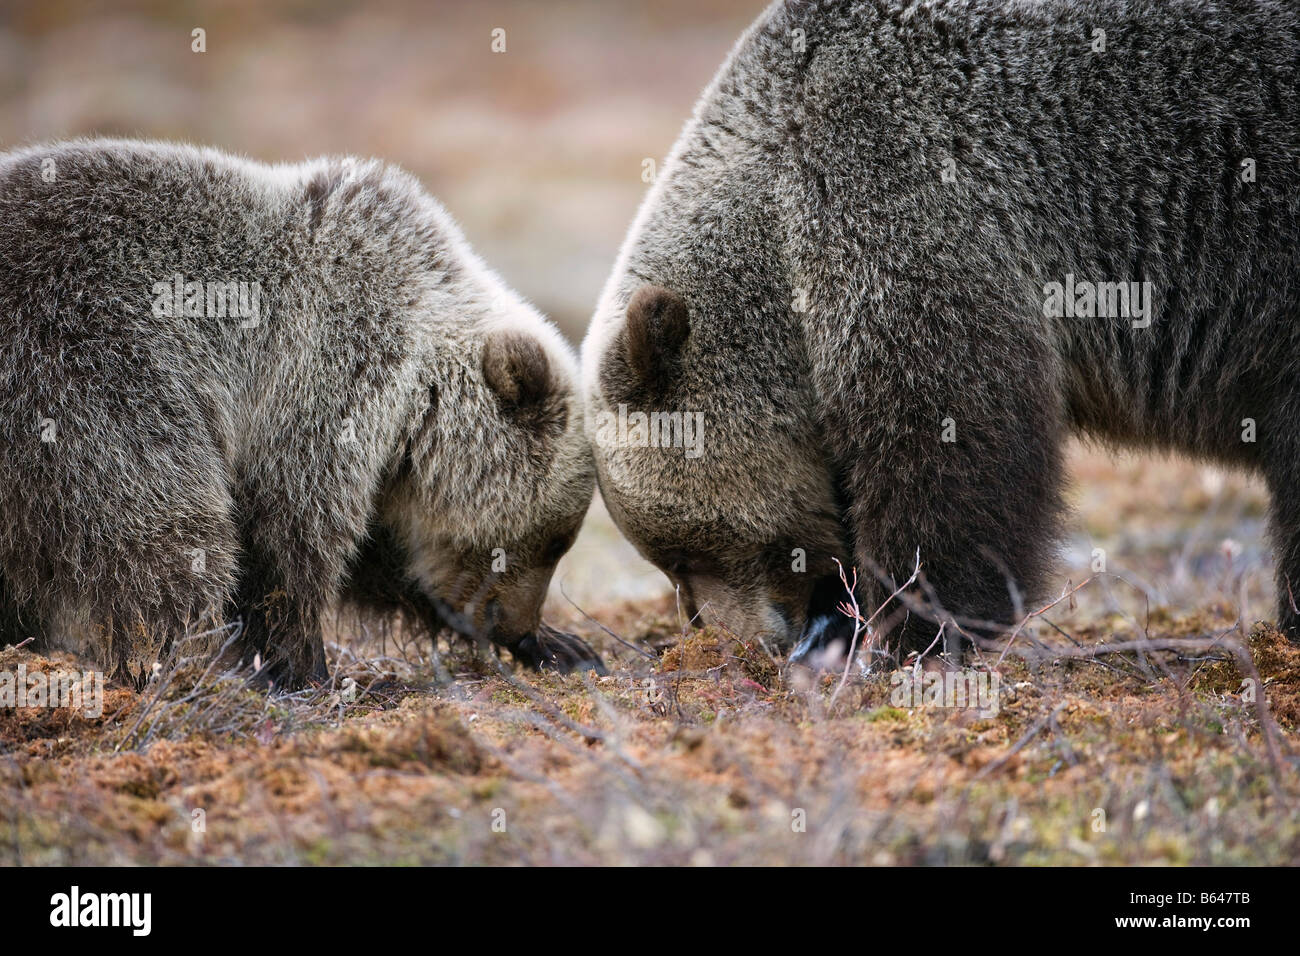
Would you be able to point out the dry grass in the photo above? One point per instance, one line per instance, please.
(699, 748)
(710, 754)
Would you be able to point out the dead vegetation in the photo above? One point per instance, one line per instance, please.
(1123, 732)
(1110, 747)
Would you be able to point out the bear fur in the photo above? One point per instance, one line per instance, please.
(232, 392)
(852, 265)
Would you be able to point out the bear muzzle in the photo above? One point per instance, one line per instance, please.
(540, 648)
(547, 649)
(826, 627)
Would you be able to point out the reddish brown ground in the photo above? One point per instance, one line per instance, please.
(706, 753)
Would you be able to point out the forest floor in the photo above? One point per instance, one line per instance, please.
(1147, 718)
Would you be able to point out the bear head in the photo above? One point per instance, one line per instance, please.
(710, 460)
(495, 478)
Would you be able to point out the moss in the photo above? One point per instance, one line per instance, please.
(886, 713)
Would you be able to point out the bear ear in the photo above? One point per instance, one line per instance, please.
(658, 323)
(517, 369)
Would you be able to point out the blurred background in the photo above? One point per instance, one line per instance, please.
(538, 152)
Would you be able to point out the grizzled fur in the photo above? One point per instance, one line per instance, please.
(829, 301)
(390, 416)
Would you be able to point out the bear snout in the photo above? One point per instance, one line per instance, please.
(826, 627)
(549, 649)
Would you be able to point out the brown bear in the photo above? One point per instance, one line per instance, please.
(903, 251)
(233, 392)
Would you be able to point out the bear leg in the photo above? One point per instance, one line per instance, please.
(17, 622)
(281, 624)
(961, 465)
(1284, 521)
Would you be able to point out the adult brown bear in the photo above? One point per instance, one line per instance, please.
(903, 250)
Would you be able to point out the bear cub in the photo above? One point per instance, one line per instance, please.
(234, 392)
